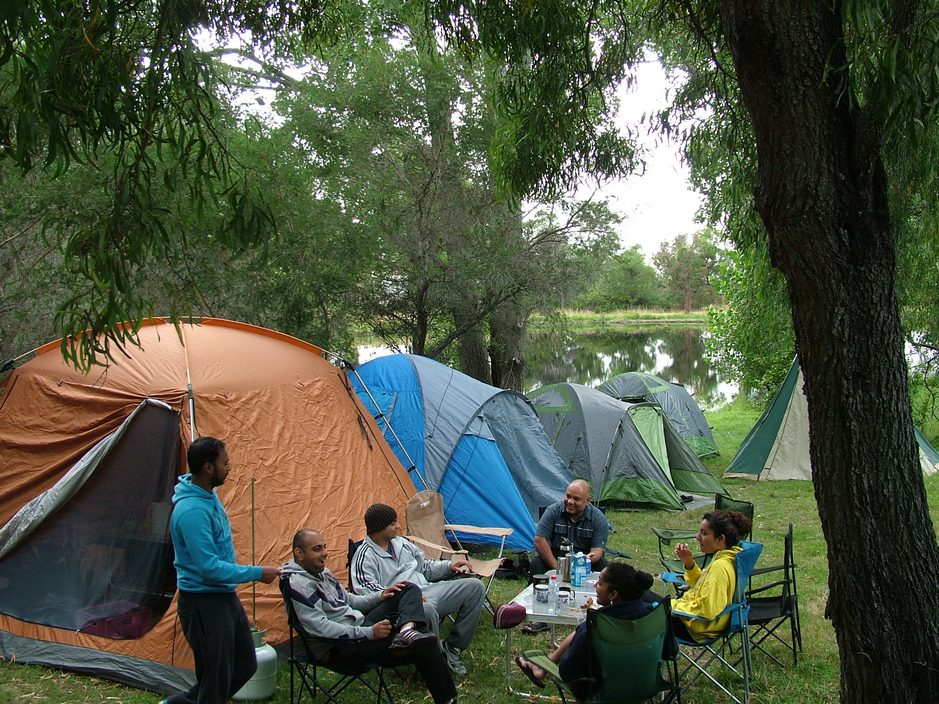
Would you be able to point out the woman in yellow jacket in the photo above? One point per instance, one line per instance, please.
(711, 589)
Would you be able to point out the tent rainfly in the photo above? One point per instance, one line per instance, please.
(89, 462)
(678, 405)
(777, 447)
(629, 452)
(482, 448)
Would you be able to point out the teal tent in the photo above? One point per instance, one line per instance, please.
(629, 452)
(777, 447)
(677, 403)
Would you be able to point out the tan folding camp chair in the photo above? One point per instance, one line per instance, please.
(427, 530)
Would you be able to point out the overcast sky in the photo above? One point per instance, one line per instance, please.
(658, 205)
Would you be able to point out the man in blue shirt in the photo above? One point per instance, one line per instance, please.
(212, 618)
(576, 519)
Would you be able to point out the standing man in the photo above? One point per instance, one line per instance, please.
(349, 629)
(576, 519)
(385, 558)
(213, 619)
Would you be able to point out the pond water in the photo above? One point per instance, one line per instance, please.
(590, 358)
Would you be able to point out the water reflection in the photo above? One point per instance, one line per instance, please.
(590, 358)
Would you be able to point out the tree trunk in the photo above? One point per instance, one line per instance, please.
(822, 195)
(506, 330)
(471, 345)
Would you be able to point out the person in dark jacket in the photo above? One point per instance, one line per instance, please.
(212, 618)
(622, 592)
(388, 626)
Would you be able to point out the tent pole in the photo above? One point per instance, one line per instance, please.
(189, 394)
(346, 364)
(254, 593)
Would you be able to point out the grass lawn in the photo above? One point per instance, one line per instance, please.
(813, 681)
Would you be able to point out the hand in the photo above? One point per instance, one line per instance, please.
(269, 574)
(382, 629)
(392, 590)
(683, 553)
(461, 566)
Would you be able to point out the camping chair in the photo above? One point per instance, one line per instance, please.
(669, 537)
(700, 656)
(305, 673)
(770, 611)
(630, 657)
(427, 530)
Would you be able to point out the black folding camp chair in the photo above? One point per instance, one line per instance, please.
(776, 604)
(306, 674)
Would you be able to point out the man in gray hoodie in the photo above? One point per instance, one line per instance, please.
(384, 558)
(349, 629)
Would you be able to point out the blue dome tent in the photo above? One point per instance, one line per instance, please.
(482, 448)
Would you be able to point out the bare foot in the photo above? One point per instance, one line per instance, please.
(531, 671)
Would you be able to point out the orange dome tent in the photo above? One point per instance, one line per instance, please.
(88, 463)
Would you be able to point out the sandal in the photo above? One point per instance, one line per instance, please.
(536, 627)
(526, 670)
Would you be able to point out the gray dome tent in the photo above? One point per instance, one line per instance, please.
(678, 405)
(629, 452)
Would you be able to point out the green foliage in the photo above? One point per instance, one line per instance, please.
(686, 268)
(396, 132)
(564, 57)
(624, 281)
(752, 340)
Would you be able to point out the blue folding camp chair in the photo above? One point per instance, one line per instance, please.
(702, 656)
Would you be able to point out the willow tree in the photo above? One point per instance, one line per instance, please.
(826, 89)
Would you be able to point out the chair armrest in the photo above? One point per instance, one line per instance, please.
(497, 532)
(673, 578)
(767, 570)
(727, 609)
(674, 533)
(432, 550)
(765, 587)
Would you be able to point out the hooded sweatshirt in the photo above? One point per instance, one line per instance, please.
(202, 542)
(712, 590)
(374, 569)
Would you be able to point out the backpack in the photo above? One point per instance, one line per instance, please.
(518, 567)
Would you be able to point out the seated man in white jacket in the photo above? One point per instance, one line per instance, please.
(385, 558)
(387, 627)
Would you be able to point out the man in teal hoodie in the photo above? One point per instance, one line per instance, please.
(213, 619)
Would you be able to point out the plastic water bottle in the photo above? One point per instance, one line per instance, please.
(553, 593)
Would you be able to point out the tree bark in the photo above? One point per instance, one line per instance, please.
(822, 195)
(471, 345)
(506, 329)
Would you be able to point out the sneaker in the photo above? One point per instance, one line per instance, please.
(406, 641)
(454, 657)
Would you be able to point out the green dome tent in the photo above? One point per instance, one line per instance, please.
(677, 403)
(777, 447)
(629, 452)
